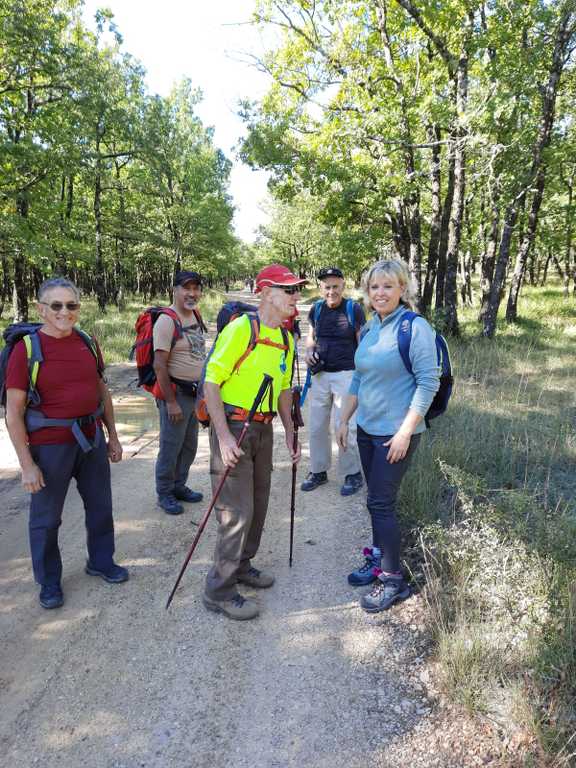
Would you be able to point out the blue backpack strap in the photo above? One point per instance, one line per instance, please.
(350, 313)
(317, 310)
(405, 338)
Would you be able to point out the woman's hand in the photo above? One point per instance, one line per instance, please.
(399, 445)
(342, 436)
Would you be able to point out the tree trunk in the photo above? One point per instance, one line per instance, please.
(20, 287)
(99, 259)
(488, 260)
(562, 37)
(457, 212)
(443, 244)
(497, 287)
(568, 248)
(434, 136)
(524, 249)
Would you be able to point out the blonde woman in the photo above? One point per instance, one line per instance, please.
(390, 404)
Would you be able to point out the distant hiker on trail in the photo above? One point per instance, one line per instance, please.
(391, 404)
(54, 416)
(230, 392)
(333, 334)
(179, 352)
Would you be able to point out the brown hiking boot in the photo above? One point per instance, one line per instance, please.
(238, 608)
(255, 578)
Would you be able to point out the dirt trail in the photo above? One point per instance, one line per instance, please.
(113, 680)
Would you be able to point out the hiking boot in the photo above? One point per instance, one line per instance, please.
(115, 574)
(188, 495)
(387, 591)
(238, 608)
(313, 480)
(364, 575)
(352, 484)
(255, 578)
(170, 504)
(51, 596)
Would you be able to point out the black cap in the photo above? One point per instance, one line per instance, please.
(329, 272)
(187, 276)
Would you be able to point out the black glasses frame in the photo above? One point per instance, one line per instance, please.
(289, 289)
(58, 306)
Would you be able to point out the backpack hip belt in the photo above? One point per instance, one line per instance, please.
(241, 414)
(36, 420)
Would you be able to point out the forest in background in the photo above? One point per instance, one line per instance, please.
(440, 132)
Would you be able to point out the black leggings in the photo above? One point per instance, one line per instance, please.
(383, 480)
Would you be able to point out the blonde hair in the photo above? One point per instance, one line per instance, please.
(397, 269)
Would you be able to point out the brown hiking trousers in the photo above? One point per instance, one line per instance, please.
(241, 507)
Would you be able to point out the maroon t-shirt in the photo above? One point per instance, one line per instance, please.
(68, 384)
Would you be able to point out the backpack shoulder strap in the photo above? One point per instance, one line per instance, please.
(405, 338)
(350, 313)
(200, 321)
(317, 310)
(34, 357)
(92, 346)
(254, 321)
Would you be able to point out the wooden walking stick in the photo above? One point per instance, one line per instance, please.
(266, 383)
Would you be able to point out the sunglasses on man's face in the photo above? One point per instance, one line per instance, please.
(58, 306)
(289, 289)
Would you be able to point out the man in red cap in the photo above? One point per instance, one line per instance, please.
(230, 392)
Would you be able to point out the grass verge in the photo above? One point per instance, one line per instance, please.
(492, 513)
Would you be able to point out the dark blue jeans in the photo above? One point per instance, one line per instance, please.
(383, 480)
(59, 464)
(178, 445)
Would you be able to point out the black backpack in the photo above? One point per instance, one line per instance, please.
(28, 332)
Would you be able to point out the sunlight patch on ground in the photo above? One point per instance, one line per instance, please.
(101, 724)
(47, 629)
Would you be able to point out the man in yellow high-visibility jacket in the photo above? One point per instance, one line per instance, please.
(230, 392)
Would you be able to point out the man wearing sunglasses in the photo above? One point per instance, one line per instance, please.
(230, 392)
(333, 335)
(54, 423)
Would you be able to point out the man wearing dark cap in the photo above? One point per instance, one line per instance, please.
(230, 391)
(179, 353)
(333, 336)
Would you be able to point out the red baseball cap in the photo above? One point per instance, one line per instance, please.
(277, 275)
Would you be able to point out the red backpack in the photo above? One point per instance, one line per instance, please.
(143, 348)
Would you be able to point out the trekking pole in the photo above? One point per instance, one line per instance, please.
(266, 383)
(297, 421)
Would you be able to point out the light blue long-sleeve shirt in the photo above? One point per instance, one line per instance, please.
(385, 389)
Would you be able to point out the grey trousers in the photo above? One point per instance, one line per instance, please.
(241, 507)
(178, 445)
(326, 398)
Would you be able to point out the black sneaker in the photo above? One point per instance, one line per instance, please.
(188, 495)
(113, 575)
(51, 596)
(313, 480)
(387, 591)
(170, 504)
(352, 484)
